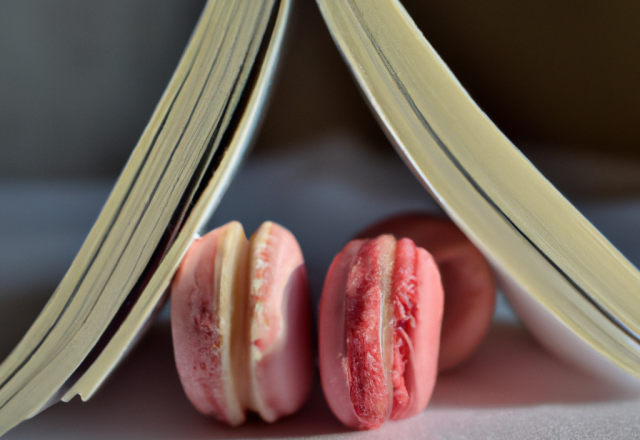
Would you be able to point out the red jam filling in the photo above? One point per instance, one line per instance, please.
(365, 368)
(368, 386)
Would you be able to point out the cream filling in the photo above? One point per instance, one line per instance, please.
(387, 321)
(244, 321)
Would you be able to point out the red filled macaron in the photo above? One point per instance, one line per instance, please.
(379, 329)
(240, 313)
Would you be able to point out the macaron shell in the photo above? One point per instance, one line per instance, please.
(332, 349)
(202, 303)
(281, 357)
(469, 302)
(420, 374)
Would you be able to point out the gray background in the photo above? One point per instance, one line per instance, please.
(79, 80)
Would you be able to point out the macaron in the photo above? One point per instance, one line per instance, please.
(241, 324)
(468, 281)
(379, 329)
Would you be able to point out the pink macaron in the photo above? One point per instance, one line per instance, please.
(467, 279)
(240, 314)
(379, 330)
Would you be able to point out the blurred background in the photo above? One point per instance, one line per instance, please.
(79, 80)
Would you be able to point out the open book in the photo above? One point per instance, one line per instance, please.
(189, 151)
(562, 274)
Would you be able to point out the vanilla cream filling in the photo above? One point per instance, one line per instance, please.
(387, 321)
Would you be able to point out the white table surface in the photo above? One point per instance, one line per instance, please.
(510, 389)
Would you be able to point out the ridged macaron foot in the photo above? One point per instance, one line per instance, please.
(379, 329)
(467, 278)
(241, 324)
